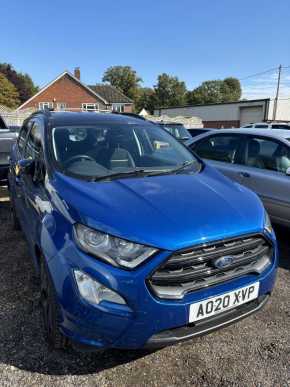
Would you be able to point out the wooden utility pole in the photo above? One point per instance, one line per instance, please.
(277, 94)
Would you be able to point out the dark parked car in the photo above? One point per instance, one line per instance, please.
(137, 241)
(7, 139)
(14, 128)
(177, 130)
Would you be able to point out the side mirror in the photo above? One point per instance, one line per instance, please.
(25, 166)
(288, 171)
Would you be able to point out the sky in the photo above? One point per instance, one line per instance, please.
(196, 40)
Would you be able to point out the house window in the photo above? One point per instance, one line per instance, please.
(61, 106)
(117, 107)
(87, 107)
(45, 105)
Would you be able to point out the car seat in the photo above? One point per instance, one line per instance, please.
(254, 158)
(115, 155)
(281, 157)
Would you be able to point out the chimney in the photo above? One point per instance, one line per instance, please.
(77, 73)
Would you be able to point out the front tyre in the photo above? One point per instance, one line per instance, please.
(50, 310)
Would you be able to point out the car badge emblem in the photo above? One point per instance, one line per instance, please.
(223, 262)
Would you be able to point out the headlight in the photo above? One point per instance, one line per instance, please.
(94, 292)
(268, 225)
(116, 251)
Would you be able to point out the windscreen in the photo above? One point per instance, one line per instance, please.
(92, 151)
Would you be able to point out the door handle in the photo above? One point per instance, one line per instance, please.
(244, 174)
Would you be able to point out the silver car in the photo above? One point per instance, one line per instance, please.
(258, 159)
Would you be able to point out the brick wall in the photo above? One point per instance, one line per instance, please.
(65, 90)
(128, 108)
(221, 124)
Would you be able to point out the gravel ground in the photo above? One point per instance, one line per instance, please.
(254, 352)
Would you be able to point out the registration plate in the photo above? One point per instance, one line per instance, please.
(222, 303)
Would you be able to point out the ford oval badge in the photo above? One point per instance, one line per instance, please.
(223, 262)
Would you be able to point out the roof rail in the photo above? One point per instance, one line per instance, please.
(40, 111)
(134, 115)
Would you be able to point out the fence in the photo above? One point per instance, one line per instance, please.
(15, 118)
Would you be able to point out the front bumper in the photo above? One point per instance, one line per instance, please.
(145, 321)
(172, 336)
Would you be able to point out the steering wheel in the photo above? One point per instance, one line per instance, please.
(71, 160)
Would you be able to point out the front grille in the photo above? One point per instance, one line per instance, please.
(196, 268)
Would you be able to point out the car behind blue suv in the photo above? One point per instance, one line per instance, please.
(138, 243)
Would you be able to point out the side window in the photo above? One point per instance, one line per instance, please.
(261, 126)
(33, 144)
(22, 136)
(267, 154)
(219, 148)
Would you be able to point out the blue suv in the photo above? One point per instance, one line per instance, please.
(137, 242)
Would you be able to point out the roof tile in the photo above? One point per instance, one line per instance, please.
(110, 93)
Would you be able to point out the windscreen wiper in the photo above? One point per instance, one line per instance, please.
(136, 172)
(183, 166)
(142, 172)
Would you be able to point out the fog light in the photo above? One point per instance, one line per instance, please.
(94, 292)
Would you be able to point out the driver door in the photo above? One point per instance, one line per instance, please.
(15, 180)
(34, 199)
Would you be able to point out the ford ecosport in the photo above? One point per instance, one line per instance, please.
(137, 242)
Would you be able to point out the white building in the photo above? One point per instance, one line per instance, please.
(232, 114)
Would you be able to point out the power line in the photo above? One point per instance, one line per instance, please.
(261, 73)
(264, 72)
(279, 99)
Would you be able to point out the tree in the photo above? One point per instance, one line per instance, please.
(216, 91)
(169, 91)
(9, 95)
(207, 92)
(123, 78)
(22, 82)
(146, 99)
(232, 90)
